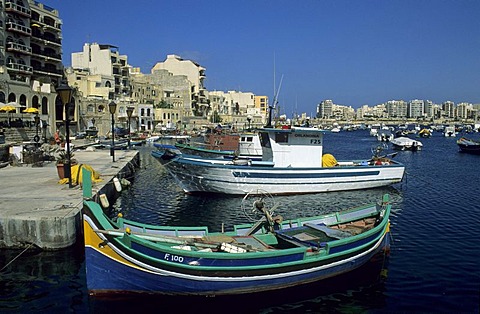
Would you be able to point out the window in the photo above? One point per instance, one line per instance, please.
(281, 137)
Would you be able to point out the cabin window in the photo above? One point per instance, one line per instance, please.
(281, 137)
(264, 139)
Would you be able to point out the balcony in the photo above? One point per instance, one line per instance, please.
(21, 68)
(15, 47)
(47, 56)
(14, 27)
(11, 6)
(47, 71)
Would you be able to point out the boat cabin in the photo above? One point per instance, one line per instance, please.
(295, 147)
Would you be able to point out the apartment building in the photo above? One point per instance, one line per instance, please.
(261, 103)
(31, 57)
(416, 108)
(194, 74)
(325, 109)
(108, 65)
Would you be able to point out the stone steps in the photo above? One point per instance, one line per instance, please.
(19, 135)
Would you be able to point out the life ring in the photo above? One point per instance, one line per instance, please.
(36, 138)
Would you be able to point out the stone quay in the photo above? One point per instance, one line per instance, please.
(35, 210)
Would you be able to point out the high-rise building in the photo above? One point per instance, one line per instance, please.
(30, 56)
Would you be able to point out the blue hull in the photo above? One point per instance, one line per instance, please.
(106, 275)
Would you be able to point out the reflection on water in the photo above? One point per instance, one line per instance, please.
(156, 199)
(40, 281)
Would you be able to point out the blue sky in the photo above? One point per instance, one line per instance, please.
(353, 52)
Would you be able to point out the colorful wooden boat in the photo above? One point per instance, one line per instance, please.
(292, 163)
(123, 256)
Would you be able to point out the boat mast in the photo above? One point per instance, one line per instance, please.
(274, 104)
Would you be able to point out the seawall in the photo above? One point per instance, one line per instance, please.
(36, 210)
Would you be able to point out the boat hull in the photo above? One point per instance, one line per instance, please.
(469, 146)
(196, 175)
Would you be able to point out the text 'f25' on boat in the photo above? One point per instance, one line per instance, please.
(292, 163)
(123, 256)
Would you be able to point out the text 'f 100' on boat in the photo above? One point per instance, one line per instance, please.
(292, 163)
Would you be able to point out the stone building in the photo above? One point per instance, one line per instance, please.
(31, 59)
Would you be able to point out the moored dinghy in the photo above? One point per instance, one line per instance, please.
(291, 163)
(273, 253)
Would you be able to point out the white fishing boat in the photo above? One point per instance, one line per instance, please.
(292, 162)
(406, 143)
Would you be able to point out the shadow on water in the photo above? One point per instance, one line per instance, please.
(38, 281)
(358, 291)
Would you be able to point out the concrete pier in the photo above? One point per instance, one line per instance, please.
(36, 209)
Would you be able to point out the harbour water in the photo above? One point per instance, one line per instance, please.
(433, 266)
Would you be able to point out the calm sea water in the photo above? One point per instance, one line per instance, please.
(433, 266)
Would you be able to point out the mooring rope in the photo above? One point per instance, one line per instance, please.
(32, 244)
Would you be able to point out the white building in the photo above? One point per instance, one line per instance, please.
(110, 68)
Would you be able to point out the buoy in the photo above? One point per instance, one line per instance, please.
(125, 182)
(118, 185)
(104, 201)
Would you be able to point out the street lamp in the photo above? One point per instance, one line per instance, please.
(37, 122)
(65, 93)
(112, 107)
(129, 115)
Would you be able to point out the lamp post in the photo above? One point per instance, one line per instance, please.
(129, 115)
(37, 122)
(112, 107)
(65, 93)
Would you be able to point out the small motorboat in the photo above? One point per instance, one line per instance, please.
(468, 145)
(406, 143)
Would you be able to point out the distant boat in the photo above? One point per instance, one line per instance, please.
(123, 256)
(167, 137)
(424, 133)
(384, 135)
(468, 145)
(292, 163)
(405, 143)
(449, 131)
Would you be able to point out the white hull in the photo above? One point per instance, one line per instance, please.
(405, 143)
(197, 175)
